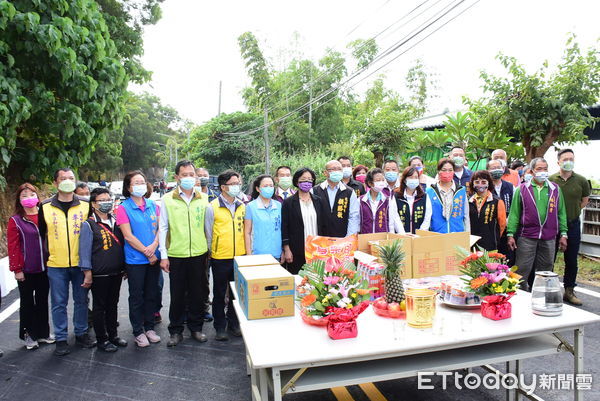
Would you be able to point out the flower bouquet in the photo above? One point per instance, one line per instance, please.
(492, 279)
(330, 287)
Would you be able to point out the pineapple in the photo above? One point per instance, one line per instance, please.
(392, 257)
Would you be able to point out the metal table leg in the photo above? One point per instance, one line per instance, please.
(578, 359)
(264, 387)
(511, 394)
(276, 385)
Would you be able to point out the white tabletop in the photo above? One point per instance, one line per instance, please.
(289, 342)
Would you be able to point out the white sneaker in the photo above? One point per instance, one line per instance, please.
(152, 336)
(49, 340)
(142, 341)
(31, 343)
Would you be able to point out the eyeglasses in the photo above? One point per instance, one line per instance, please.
(334, 169)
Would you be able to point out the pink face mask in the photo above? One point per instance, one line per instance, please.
(446, 176)
(28, 203)
(361, 178)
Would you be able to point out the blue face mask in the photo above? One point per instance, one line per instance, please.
(139, 190)
(336, 176)
(187, 183)
(267, 192)
(391, 176)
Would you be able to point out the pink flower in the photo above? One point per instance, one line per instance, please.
(494, 277)
(492, 266)
(331, 280)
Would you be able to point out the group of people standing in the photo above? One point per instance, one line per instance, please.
(86, 244)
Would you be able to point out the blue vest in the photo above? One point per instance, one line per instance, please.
(456, 222)
(266, 228)
(144, 226)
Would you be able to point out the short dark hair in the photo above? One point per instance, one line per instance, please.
(344, 158)
(371, 176)
(479, 175)
(18, 207)
(389, 161)
(299, 174)
(81, 184)
(445, 161)
(64, 169)
(226, 176)
(563, 151)
(407, 173)
(98, 191)
(127, 182)
(516, 164)
(183, 163)
(257, 181)
(282, 167)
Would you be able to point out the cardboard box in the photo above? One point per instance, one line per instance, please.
(406, 247)
(265, 291)
(251, 261)
(434, 254)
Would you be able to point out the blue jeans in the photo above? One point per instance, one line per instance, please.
(143, 296)
(59, 278)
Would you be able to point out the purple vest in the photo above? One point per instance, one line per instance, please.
(366, 216)
(531, 227)
(31, 245)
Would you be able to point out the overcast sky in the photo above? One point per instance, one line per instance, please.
(194, 45)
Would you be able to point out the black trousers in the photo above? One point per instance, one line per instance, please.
(105, 292)
(188, 293)
(222, 270)
(33, 312)
(143, 296)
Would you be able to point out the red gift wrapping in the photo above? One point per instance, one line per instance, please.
(497, 307)
(342, 322)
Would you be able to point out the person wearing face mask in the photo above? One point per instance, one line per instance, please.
(576, 191)
(348, 178)
(224, 223)
(462, 175)
(202, 181)
(183, 252)
(60, 218)
(424, 180)
(391, 172)
(262, 223)
(378, 213)
(26, 261)
(412, 202)
(487, 212)
(137, 217)
(537, 215)
(500, 188)
(83, 190)
(301, 216)
(342, 216)
(283, 178)
(527, 175)
(509, 175)
(102, 260)
(519, 167)
(359, 173)
(449, 211)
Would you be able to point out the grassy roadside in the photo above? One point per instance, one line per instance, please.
(589, 269)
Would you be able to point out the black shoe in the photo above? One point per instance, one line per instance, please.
(208, 317)
(118, 341)
(221, 335)
(118, 324)
(107, 346)
(235, 331)
(157, 318)
(174, 339)
(62, 348)
(199, 336)
(85, 341)
(1, 353)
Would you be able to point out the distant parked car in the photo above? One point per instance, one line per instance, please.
(116, 188)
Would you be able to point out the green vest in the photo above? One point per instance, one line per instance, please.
(186, 224)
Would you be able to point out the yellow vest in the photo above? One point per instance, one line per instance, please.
(228, 232)
(63, 232)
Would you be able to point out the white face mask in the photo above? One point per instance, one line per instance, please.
(378, 186)
(541, 176)
(347, 172)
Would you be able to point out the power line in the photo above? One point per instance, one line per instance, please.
(388, 62)
(387, 52)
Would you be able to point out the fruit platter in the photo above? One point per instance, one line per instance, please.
(392, 310)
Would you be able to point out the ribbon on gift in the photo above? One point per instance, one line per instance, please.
(498, 299)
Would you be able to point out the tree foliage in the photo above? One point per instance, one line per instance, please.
(544, 107)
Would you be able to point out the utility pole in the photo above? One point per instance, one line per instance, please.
(266, 138)
(220, 87)
(310, 101)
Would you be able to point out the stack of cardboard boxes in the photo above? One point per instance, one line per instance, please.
(265, 289)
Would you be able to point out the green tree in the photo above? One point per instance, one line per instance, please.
(215, 145)
(62, 85)
(542, 108)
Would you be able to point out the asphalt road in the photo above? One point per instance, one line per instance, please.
(216, 370)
